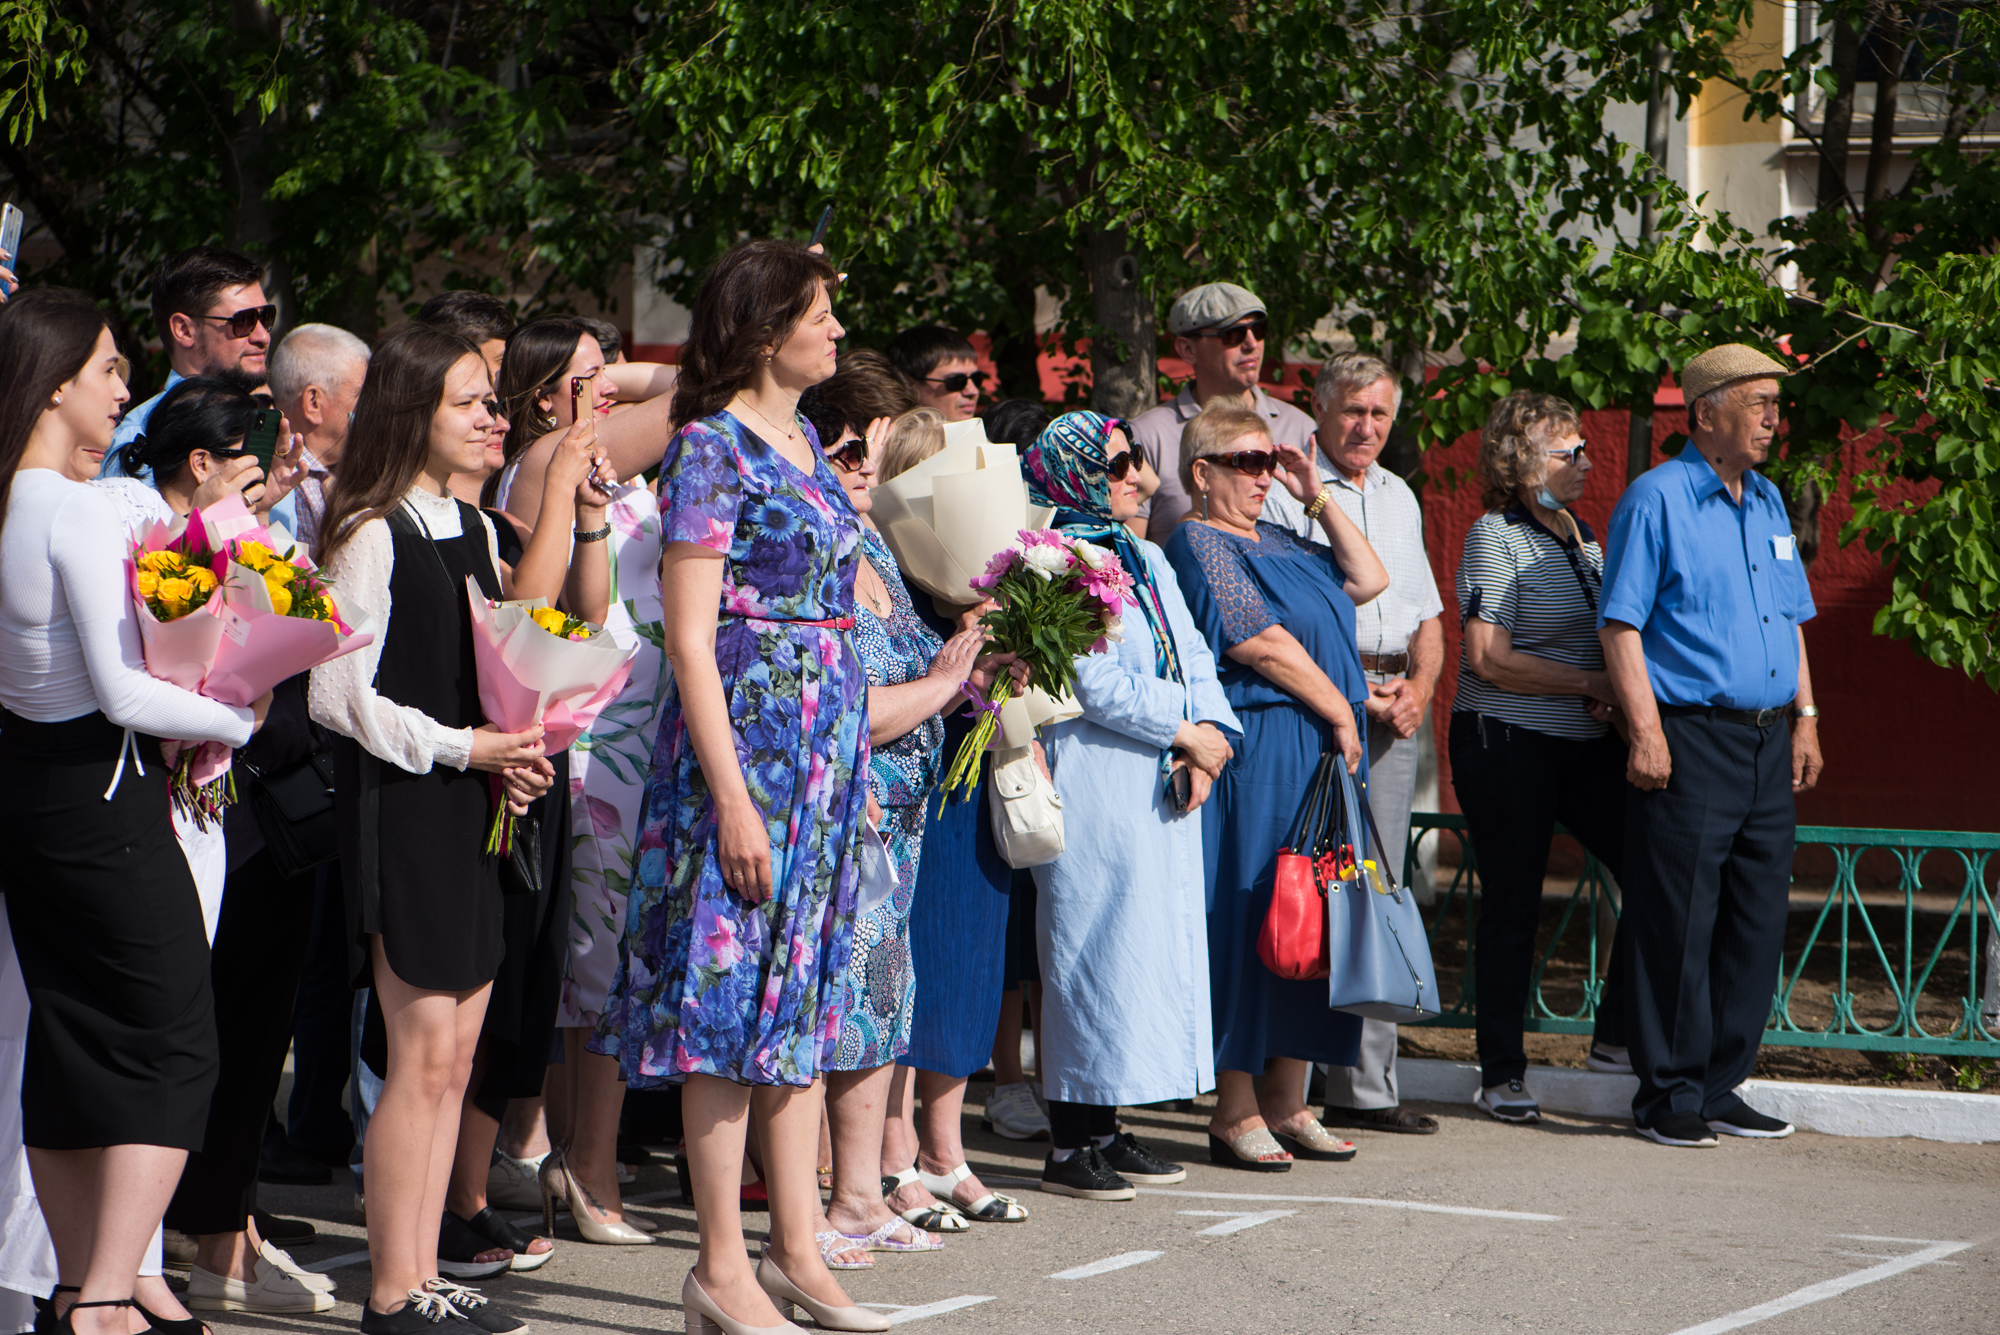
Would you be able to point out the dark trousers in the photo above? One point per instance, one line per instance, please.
(1514, 784)
(322, 1030)
(1074, 1125)
(1708, 864)
(260, 946)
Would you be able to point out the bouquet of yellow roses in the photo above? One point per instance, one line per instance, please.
(221, 613)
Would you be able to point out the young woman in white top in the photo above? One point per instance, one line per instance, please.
(121, 1054)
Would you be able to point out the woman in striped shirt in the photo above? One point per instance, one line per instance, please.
(1531, 742)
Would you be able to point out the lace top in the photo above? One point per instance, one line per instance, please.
(895, 651)
(342, 695)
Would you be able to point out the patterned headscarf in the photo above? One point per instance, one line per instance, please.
(1068, 467)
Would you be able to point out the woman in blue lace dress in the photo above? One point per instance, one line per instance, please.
(741, 915)
(1280, 613)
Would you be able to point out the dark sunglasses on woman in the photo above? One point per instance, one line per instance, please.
(1233, 336)
(245, 322)
(850, 455)
(1120, 465)
(1254, 462)
(956, 382)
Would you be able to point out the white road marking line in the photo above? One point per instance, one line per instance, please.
(1424, 1206)
(1108, 1264)
(899, 1315)
(1830, 1288)
(356, 1258)
(1871, 1237)
(335, 1263)
(1238, 1220)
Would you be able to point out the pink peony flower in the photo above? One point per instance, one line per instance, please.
(724, 947)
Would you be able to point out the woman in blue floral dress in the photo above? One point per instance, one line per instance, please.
(741, 915)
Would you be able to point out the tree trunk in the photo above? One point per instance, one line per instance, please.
(1124, 380)
(1017, 348)
(355, 304)
(1639, 428)
(1896, 33)
(1839, 123)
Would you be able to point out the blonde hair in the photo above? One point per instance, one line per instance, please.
(1512, 442)
(913, 438)
(1213, 430)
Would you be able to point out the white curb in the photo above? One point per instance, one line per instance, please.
(1835, 1110)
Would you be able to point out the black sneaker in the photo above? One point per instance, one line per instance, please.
(1740, 1119)
(424, 1314)
(1684, 1130)
(1085, 1176)
(1132, 1161)
(471, 1305)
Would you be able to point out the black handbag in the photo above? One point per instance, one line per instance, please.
(521, 869)
(294, 810)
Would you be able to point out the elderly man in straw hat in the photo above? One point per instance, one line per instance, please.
(1704, 594)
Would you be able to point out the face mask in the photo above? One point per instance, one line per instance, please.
(1542, 495)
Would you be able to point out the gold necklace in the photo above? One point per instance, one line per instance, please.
(790, 435)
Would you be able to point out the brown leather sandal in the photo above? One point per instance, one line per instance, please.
(1397, 1119)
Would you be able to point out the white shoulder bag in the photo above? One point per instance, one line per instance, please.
(1027, 814)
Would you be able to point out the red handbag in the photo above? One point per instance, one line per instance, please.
(1293, 941)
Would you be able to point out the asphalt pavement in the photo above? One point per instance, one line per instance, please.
(1570, 1226)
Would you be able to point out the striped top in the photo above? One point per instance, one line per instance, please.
(1518, 575)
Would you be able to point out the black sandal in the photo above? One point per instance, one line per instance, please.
(458, 1247)
(187, 1325)
(496, 1229)
(63, 1323)
(45, 1308)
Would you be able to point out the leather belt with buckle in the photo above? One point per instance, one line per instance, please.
(1749, 718)
(1393, 664)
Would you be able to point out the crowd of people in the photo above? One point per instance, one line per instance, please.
(686, 916)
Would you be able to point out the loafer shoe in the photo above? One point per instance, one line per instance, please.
(1681, 1130)
(1011, 1111)
(1510, 1102)
(1740, 1119)
(1085, 1176)
(1132, 1161)
(1608, 1059)
(282, 1259)
(271, 1292)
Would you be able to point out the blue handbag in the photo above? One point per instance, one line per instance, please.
(1380, 957)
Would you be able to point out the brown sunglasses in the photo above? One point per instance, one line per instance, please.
(1254, 462)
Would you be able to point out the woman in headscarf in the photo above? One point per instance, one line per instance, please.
(1120, 923)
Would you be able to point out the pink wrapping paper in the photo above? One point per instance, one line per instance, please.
(527, 675)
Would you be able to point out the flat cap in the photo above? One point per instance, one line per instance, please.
(1211, 305)
(1724, 363)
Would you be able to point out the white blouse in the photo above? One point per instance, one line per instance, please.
(342, 695)
(69, 639)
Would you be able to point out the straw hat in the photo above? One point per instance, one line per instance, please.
(1721, 365)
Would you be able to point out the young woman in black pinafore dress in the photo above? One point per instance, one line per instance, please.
(413, 793)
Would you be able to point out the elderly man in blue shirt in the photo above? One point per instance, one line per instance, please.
(1704, 594)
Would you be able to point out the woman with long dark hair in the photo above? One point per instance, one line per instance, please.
(423, 901)
(121, 1052)
(741, 917)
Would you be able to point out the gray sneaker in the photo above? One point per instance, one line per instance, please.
(1510, 1102)
(1012, 1112)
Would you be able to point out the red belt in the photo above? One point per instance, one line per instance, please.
(837, 623)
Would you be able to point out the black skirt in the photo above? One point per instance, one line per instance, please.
(107, 924)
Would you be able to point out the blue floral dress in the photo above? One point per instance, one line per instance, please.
(707, 982)
(880, 988)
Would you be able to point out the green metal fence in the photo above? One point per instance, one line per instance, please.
(1875, 967)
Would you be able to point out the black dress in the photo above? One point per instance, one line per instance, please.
(412, 845)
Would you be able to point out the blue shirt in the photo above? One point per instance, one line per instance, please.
(1715, 588)
(133, 425)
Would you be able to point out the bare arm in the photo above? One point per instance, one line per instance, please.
(1649, 764)
(897, 711)
(551, 567)
(1275, 653)
(639, 382)
(635, 439)
(1806, 762)
(1490, 652)
(1366, 576)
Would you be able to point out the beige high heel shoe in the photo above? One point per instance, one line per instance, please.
(705, 1317)
(785, 1293)
(559, 1184)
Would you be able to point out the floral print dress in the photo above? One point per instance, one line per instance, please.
(709, 983)
(880, 985)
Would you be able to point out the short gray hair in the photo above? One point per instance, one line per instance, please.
(1347, 373)
(314, 354)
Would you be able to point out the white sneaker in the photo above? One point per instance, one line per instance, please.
(282, 1259)
(1012, 1112)
(514, 1184)
(1510, 1102)
(1608, 1059)
(272, 1291)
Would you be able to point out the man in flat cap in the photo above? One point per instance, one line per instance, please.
(1704, 594)
(1219, 330)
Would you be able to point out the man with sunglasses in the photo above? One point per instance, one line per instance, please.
(1219, 330)
(212, 315)
(942, 366)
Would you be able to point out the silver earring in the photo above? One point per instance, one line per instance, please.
(58, 402)
(1204, 505)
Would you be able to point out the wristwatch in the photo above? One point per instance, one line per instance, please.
(1805, 711)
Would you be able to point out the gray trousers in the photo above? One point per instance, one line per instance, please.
(1392, 787)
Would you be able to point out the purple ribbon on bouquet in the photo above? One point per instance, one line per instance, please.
(980, 704)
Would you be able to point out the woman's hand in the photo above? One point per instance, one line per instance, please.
(1348, 738)
(987, 670)
(1205, 747)
(259, 709)
(874, 811)
(955, 661)
(496, 752)
(7, 283)
(577, 465)
(1296, 471)
(241, 476)
(1197, 789)
(288, 469)
(969, 618)
(526, 783)
(744, 843)
(1042, 763)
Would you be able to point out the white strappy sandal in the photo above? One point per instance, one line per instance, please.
(944, 1217)
(992, 1208)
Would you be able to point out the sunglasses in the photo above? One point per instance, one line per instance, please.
(1233, 336)
(956, 383)
(1120, 465)
(1256, 463)
(1568, 456)
(850, 456)
(244, 323)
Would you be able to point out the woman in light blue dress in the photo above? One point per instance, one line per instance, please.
(1120, 921)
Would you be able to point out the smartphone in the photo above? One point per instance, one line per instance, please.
(819, 232)
(11, 219)
(1181, 789)
(576, 384)
(261, 440)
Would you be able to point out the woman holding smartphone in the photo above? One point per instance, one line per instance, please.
(424, 904)
(121, 1051)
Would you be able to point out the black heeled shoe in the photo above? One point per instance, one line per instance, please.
(187, 1325)
(63, 1324)
(45, 1308)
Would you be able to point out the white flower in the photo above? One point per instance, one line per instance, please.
(1092, 555)
(1046, 561)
